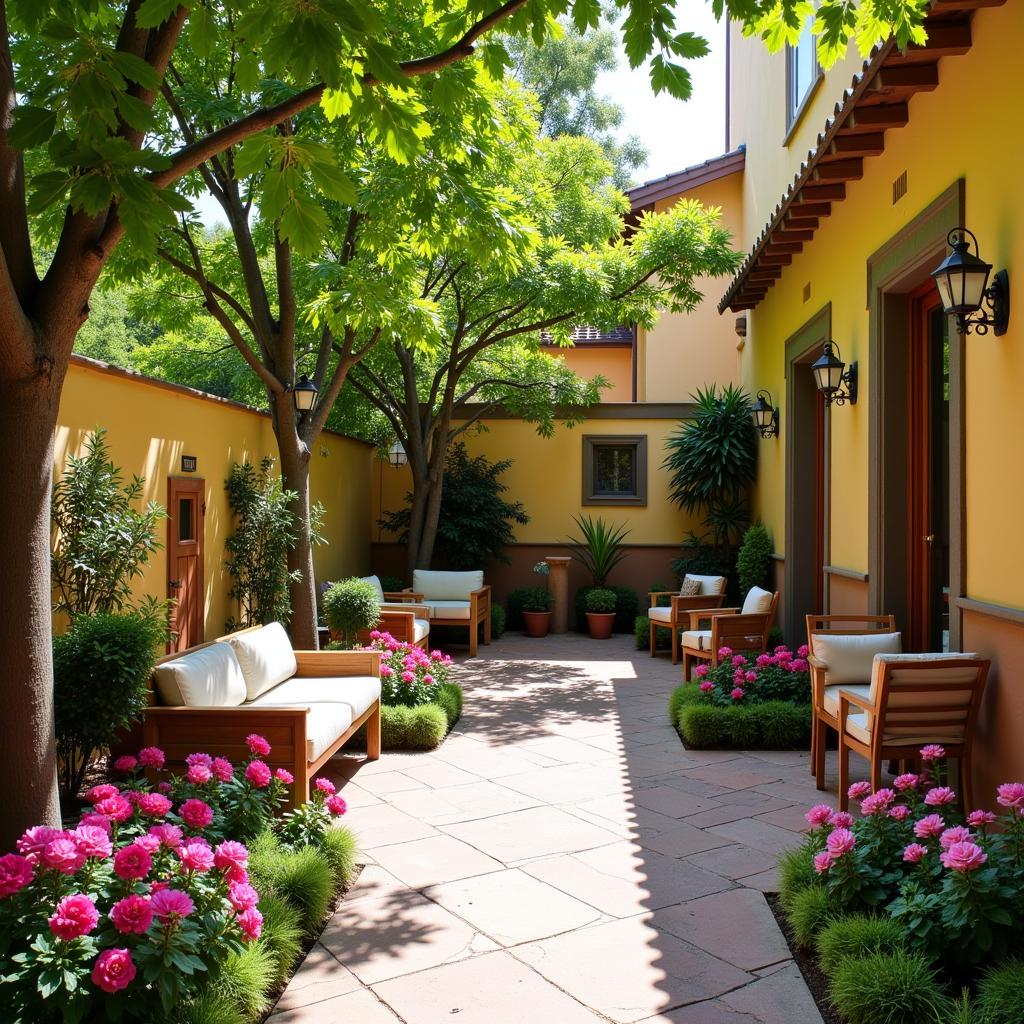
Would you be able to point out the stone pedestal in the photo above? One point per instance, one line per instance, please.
(558, 585)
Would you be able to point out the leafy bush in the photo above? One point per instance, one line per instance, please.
(855, 936)
(448, 697)
(102, 542)
(408, 675)
(642, 634)
(391, 584)
(810, 910)
(1000, 998)
(626, 605)
(413, 728)
(101, 668)
(514, 607)
(600, 549)
(349, 606)
(339, 847)
(769, 725)
(744, 679)
(888, 988)
(211, 1008)
(796, 873)
(475, 521)
(600, 601)
(497, 621)
(754, 558)
(302, 877)
(536, 599)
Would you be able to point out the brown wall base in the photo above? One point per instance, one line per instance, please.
(847, 596)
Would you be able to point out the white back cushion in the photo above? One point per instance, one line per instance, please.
(848, 657)
(709, 584)
(207, 678)
(757, 602)
(266, 657)
(374, 582)
(446, 586)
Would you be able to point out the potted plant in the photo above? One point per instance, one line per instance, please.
(536, 608)
(349, 606)
(601, 612)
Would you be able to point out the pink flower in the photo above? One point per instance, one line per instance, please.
(724, 652)
(203, 759)
(169, 836)
(822, 862)
(737, 693)
(859, 790)
(1011, 794)
(196, 814)
(198, 774)
(15, 873)
(283, 775)
(116, 807)
(126, 764)
(940, 796)
(840, 842)
(196, 857)
(132, 916)
(872, 804)
(242, 896)
(232, 858)
(92, 842)
(932, 752)
(763, 660)
(701, 670)
(98, 793)
(164, 787)
(151, 757)
(386, 670)
(799, 665)
(257, 744)
(251, 923)
(75, 916)
(62, 854)
(979, 819)
(750, 677)
(325, 786)
(223, 770)
(171, 904)
(149, 843)
(802, 651)
(133, 861)
(132, 796)
(96, 820)
(258, 773)
(739, 661)
(154, 805)
(909, 780)
(900, 812)
(818, 815)
(930, 827)
(913, 853)
(958, 834)
(428, 679)
(963, 857)
(336, 805)
(34, 840)
(707, 686)
(841, 819)
(113, 970)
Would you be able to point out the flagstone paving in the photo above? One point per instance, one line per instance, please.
(561, 858)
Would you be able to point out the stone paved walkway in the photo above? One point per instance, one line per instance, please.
(562, 859)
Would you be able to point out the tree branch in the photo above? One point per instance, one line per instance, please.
(372, 395)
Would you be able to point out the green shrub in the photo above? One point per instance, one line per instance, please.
(681, 696)
(796, 873)
(514, 608)
(101, 669)
(855, 936)
(1000, 998)
(809, 911)
(497, 621)
(448, 697)
(600, 549)
(626, 606)
(754, 558)
(600, 600)
(888, 988)
(664, 601)
(212, 1008)
(703, 726)
(246, 977)
(282, 932)
(960, 1011)
(340, 849)
(302, 877)
(536, 599)
(773, 725)
(349, 606)
(391, 584)
(782, 725)
(419, 728)
(743, 727)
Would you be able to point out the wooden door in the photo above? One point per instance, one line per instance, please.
(186, 512)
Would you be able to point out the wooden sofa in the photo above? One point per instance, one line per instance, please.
(453, 599)
(211, 696)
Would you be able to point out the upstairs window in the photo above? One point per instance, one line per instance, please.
(802, 74)
(615, 469)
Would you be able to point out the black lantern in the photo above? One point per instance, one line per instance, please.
(766, 416)
(304, 393)
(962, 280)
(830, 374)
(397, 456)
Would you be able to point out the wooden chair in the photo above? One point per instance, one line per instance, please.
(406, 621)
(742, 630)
(825, 697)
(674, 617)
(455, 599)
(915, 699)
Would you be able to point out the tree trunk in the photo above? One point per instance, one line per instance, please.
(420, 496)
(431, 519)
(29, 402)
(295, 458)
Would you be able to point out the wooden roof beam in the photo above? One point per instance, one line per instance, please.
(908, 78)
(784, 234)
(818, 191)
(945, 39)
(876, 118)
(779, 260)
(851, 169)
(774, 248)
(859, 144)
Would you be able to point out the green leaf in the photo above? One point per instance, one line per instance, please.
(32, 126)
(202, 30)
(152, 13)
(135, 69)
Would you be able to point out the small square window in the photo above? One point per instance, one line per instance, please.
(614, 469)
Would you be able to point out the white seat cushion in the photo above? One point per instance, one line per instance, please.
(831, 700)
(448, 609)
(757, 602)
(420, 629)
(207, 678)
(698, 639)
(848, 657)
(859, 727)
(446, 586)
(659, 614)
(708, 584)
(374, 582)
(266, 657)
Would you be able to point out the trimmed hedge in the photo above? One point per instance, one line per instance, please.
(662, 635)
(772, 725)
(422, 727)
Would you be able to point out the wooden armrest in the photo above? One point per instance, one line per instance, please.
(816, 662)
(402, 595)
(485, 589)
(655, 594)
(417, 611)
(696, 614)
(314, 664)
(852, 698)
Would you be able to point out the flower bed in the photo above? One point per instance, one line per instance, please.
(163, 901)
(746, 701)
(915, 912)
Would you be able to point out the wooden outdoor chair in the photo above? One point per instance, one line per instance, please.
(673, 617)
(915, 699)
(745, 630)
(851, 661)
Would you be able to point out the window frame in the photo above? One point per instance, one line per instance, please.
(592, 442)
(795, 112)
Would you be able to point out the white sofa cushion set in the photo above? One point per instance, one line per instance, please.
(447, 594)
(258, 669)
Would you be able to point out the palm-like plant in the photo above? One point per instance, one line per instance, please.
(600, 549)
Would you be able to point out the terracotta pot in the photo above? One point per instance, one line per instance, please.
(537, 623)
(600, 624)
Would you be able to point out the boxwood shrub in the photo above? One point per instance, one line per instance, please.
(771, 725)
(626, 606)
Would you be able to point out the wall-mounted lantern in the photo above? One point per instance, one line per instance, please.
(962, 280)
(304, 393)
(830, 374)
(397, 456)
(766, 416)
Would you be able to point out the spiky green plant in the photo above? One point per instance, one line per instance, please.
(1000, 998)
(855, 936)
(246, 977)
(282, 932)
(888, 988)
(601, 547)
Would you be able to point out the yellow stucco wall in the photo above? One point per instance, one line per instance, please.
(987, 154)
(149, 427)
(615, 363)
(686, 351)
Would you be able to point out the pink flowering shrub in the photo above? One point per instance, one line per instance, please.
(409, 675)
(779, 675)
(956, 885)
